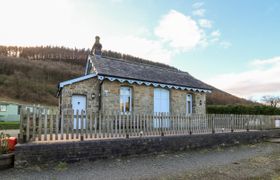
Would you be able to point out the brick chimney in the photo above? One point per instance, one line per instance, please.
(97, 47)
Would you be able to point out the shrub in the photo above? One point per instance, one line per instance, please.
(243, 109)
(9, 125)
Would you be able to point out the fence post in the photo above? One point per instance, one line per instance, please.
(231, 122)
(21, 129)
(34, 123)
(162, 119)
(82, 125)
(51, 125)
(261, 122)
(126, 126)
(27, 125)
(62, 125)
(190, 123)
(57, 124)
(248, 123)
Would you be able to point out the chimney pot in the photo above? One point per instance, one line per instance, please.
(97, 47)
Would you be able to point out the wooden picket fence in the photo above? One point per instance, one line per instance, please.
(52, 126)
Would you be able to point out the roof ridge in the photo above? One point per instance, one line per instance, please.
(133, 62)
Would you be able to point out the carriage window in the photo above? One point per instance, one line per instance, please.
(125, 99)
(3, 108)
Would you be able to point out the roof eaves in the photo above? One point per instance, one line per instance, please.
(78, 79)
(151, 82)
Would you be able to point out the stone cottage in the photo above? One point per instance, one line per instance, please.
(111, 84)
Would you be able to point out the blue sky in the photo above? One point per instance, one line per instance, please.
(233, 44)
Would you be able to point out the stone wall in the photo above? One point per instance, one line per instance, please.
(86, 88)
(199, 103)
(32, 154)
(142, 97)
(178, 101)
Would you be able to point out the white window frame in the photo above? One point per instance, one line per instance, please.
(3, 108)
(123, 96)
(189, 98)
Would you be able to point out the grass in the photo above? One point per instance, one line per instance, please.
(9, 125)
(61, 166)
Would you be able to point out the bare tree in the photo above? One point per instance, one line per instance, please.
(273, 101)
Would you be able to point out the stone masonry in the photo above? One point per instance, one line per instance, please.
(32, 154)
(142, 97)
(86, 88)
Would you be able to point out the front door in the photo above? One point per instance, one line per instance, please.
(78, 104)
(161, 105)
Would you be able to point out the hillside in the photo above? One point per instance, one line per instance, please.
(34, 80)
(219, 97)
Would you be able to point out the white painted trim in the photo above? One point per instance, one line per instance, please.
(130, 96)
(139, 82)
(71, 81)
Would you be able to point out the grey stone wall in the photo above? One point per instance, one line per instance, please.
(86, 88)
(32, 154)
(142, 97)
(199, 103)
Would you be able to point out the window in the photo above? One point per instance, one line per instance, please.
(125, 99)
(189, 104)
(3, 108)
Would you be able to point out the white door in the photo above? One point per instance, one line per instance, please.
(161, 105)
(277, 123)
(78, 103)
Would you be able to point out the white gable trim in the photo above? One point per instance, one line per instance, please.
(71, 81)
(139, 82)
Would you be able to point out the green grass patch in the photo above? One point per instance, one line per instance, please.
(9, 125)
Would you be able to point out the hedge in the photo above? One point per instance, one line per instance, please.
(9, 125)
(243, 109)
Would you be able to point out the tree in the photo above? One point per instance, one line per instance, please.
(273, 101)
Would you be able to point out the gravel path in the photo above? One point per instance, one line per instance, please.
(11, 132)
(147, 167)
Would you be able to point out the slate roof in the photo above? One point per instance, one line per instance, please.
(145, 71)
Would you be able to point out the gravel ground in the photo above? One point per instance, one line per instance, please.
(185, 165)
(11, 132)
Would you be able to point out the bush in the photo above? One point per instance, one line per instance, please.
(9, 125)
(243, 109)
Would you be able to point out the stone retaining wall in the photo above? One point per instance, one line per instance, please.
(31, 154)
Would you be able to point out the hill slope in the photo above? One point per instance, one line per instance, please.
(35, 81)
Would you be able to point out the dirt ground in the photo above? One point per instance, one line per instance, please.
(258, 161)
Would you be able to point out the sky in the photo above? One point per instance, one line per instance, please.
(232, 45)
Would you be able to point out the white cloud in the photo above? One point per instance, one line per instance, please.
(138, 46)
(255, 82)
(197, 5)
(180, 31)
(175, 32)
(225, 44)
(216, 34)
(199, 12)
(205, 23)
(261, 62)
